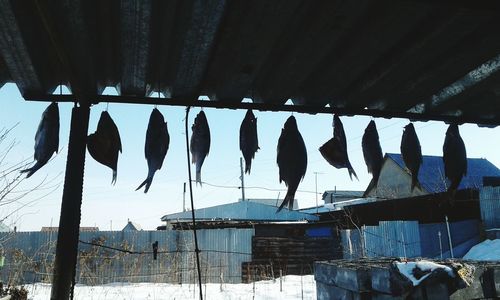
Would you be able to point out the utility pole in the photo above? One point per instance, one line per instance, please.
(242, 180)
(316, 191)
(184, 198)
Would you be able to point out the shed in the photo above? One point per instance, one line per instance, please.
(243, 211)
(338, 196)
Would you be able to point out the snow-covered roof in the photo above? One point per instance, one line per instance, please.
(241, 211)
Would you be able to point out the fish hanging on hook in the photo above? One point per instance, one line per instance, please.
(156, 146)
(334, 151)
(411, 153)
(249, 143)
(372, 153)
(200, 142)
(104, 144)
(46, 138)
(454, 158)
(292, 160)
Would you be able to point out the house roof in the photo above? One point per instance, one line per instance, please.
(415, 59)
(132, 226)
(431, 175)
(240, 211)
(342, 194)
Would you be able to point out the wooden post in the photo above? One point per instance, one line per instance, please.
(69, 221)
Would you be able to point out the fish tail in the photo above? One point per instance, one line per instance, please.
(415, 183)
(199, 163)
(113, 181)
(32, 170)
(198, 177)
(452, 191)
(371, 185)
(248, 165)
(289, 198)
(146, 183)
(351, 172)
(453, 186)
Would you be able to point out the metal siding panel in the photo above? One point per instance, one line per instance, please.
(412, 238)
(464, 230)
(232, 244)
(372, 247)
(351, 243)
(489, 201)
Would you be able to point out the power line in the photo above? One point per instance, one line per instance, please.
(254, 187)
(160, 252)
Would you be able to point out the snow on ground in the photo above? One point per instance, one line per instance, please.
(487, 250)
(407, 268)
(292, 289)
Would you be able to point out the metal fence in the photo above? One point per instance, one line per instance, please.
(409, 239)
(489, 201)
(29, 256)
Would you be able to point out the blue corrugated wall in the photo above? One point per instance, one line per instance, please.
(222, 252)
(409, 239)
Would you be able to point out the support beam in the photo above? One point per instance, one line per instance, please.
(309, 109)
(69, 222)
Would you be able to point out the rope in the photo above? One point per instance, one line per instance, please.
(196, 249)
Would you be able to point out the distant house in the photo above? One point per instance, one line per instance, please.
(237, 214)
(339, 196)
(82, 229)
(272, 202)
(132, 226)
(395, 178)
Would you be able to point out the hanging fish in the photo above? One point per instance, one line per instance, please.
(156, 147)
(291, 159)
(372, 152)
(46, 138)
(200, 142)
(412, 153)
(454, 157)
(249, 143)
(335, 150)
(105, 144)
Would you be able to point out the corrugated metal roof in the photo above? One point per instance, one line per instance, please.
(392, 57)
(431, 175)
(241, 211)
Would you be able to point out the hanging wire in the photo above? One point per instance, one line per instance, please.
(196, 249)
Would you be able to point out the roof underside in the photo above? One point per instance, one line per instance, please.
(418, 59)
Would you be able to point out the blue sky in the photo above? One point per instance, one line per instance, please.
(105, 205)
